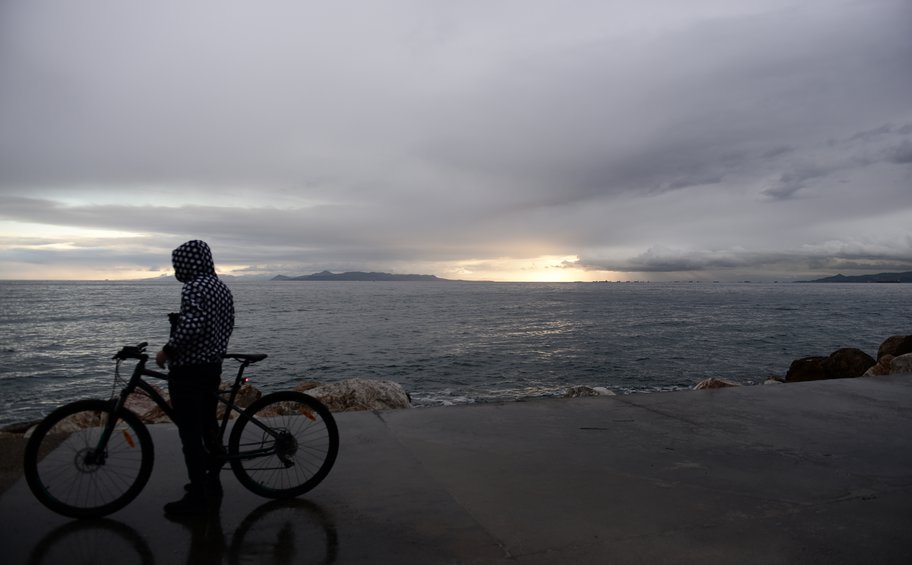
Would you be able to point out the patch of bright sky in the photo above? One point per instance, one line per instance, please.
(56, 235)
(176, 196)
(548, 268)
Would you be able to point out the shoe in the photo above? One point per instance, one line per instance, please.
(191, 504)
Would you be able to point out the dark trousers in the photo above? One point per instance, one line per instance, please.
(193, 390)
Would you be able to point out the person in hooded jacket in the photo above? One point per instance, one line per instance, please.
(193, 354)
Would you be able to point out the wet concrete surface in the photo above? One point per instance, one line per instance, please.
(817, 472)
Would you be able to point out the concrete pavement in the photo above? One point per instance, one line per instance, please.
(817, 472)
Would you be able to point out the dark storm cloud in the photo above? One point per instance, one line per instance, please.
(652, 116)
(901, 153)
(638, 136)
(825, 258)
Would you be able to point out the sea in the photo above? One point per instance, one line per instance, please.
(447, 343)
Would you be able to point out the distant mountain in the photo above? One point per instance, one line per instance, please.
(878, 278)
(358, 276)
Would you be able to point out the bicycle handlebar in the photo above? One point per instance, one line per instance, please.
(137, 351)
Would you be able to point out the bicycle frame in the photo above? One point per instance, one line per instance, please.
(136, 382)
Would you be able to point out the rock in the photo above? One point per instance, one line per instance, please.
(361, 394)
(846, 363)
(902, 365)
(579, 391)
(70, 424)
(882, 367)
(896, 345)
(146, 408)
(286, 409)
(247, 395)
(774, 380)
(889, 365)
(307, 385)
(19, 428)
(155, 416)
(141, 404)
(75, 422)
(806, 369)
(713, 382)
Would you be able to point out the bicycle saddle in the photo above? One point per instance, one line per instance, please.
(248, 357)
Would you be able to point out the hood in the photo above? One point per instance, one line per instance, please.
(191, 260)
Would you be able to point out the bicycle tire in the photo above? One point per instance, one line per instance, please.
(64, 480)
(301, 446)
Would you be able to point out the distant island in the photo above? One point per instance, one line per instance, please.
(878, 278)
(359, 276)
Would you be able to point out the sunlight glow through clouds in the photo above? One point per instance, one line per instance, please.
(175, 195)
(42, 251)
(547, 268)
(49, 235)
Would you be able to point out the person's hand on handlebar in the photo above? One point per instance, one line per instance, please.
(161, 358)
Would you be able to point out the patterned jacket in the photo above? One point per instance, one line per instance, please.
(200, 334)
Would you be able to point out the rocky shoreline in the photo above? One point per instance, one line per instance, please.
(894, 356)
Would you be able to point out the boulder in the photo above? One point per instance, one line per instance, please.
(73, 423)
(848, 362)
(146, 408)
(713, 382)
(361, 394)
(19, 428)
(578, 391)
(306, 386)
(140, 404)
(896, 345)
(247, 395)
(806, 369)
(889, 365)
(902, 365)
(882, 367)
(155, 416)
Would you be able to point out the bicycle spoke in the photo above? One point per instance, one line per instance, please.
(68, 480)
(297, 450)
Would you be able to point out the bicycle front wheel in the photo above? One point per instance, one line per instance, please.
(72, 474)
(283, 445)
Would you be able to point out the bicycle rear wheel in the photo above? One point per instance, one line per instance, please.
(77, 478)
(283, 445)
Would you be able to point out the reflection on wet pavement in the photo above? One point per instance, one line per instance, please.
(281, 532)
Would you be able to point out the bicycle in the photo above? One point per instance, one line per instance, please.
(92, 457)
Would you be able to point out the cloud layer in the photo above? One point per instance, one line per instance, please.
(766, 139)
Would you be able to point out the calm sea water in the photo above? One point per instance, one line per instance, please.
(448, 343)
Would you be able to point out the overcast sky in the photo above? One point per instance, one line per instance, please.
(504, 140)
